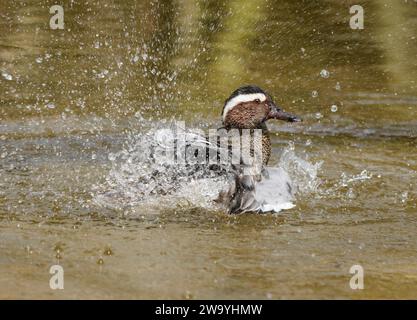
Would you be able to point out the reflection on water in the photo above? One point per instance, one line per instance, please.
(70, 99)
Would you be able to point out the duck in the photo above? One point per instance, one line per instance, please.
(269, 190)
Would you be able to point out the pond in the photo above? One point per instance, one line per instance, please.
(75, 101)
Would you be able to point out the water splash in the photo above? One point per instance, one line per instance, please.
(137, 180)
(347, 180)
(6, 76)
(345, 187)
(304, 174)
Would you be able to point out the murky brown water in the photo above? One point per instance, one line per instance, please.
(71, 98)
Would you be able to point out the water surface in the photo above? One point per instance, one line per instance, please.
(72, 99)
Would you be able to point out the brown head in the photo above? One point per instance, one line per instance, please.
(249, 107)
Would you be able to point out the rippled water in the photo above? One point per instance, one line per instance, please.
(72, 101)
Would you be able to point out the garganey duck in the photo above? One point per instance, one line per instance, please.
(249, 107)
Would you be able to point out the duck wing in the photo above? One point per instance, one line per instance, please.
(275, 191)
(270, 192)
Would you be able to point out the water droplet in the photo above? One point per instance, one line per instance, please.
(39, 60)
(93, 156)
(100, 261)
(318, 115)
(138, 115)
(333, 108)
(7, 76)
(350, 194)
(324, 73)
(58, 248)
(50, 105)
(108, 252)
(103, 73)
(314, 93)
(338, 86)
(404, 197)
(29, 249)
(111, 156)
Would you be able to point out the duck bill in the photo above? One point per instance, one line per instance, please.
(279, 114)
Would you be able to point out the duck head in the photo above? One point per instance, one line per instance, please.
(249, 107)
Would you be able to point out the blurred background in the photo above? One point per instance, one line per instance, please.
(181, 58)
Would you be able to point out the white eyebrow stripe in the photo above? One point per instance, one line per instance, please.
(241, 98)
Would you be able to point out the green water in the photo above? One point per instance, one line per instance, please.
(70, 98)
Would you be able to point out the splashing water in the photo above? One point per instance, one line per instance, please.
(140, 178)
(346, 180)
(303, 173)
(344, 188)
(137, 179)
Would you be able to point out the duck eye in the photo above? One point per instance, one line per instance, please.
(257, 100)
